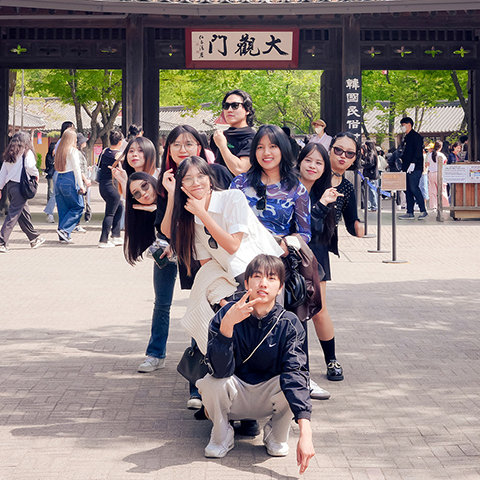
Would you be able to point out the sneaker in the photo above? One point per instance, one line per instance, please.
(63, 235)
(274, 448)
(246, 428)
(50, 218)
(117, 241)
(213, 450)
(150, 363)
(334, 371)
(4, 249)
(407, 216)
(37, 242)
(108, 244)
(194, 403)
(318, 393)
(423, 215)
(79, 229)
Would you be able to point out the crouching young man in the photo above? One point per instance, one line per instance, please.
(259, 367)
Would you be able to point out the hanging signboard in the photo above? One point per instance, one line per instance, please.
(353, 102)
(237, 49)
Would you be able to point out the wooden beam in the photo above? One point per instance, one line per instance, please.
(133, 81)
(4, 97)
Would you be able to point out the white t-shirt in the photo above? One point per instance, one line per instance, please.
(230, 210)
(13, 171)
(432, 166)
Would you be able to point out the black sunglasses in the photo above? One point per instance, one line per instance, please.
(348, 154)
(234, 105)
(138, 194)
(262, 201)
(212, 243)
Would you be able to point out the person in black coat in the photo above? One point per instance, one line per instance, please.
(412, 164)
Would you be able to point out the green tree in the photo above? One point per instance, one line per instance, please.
(97, 92)
(411, 89)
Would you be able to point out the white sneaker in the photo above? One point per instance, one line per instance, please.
(79, 229)
(194, 403)
(274, 448)
(108, 244)
(37, 242)
(4, 249)
(117, 241)
(213, 450)
(317, 392)
(50, 218)
(151, 363)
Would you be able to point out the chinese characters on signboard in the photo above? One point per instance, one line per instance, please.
(353, 89)
(226, 48)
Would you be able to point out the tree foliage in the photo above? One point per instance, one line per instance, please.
(97, 92)
(283, 97)
(417, 89)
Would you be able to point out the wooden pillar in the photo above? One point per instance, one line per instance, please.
(133, 73)
(4, 87)
(352, 76)
(474, 125)
(151, 91)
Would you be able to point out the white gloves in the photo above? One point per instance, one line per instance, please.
(411, 168)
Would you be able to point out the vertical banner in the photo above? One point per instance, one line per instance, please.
(353, 103)
(39, 138)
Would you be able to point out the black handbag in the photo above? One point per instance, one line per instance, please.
(28, 184)
(192, 365)
(295, 284)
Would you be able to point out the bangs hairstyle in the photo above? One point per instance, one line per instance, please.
(19, 144)
(139, 224)
(167, 160)
(288, 174)
(69, 141)
(356, 163)
(247, 104)
(266, 265)
(318, 189)
(183, 224)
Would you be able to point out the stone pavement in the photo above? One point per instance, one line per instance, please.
(74, 325)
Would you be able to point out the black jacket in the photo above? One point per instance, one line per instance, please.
(412, 151)
(280, 354)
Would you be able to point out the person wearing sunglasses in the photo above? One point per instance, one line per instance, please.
(214, 227)
(232, 147)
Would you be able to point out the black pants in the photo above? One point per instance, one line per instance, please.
(113, 211)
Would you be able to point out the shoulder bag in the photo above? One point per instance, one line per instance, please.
(28, 184)
(98, 169)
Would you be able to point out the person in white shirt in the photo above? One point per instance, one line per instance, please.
(433, 158)
(18, 151)
(321, 137)
(69, 186)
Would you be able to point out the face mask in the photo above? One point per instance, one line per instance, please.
(403, 128)
(319, 130)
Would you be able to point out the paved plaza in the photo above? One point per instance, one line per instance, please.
(75, 321)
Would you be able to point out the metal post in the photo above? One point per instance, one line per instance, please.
(379, 225)
(365, 209)
(394, 232)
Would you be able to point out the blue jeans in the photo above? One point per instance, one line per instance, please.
(413, 192)
(69, 203)
(372, 195)
(424, 186)
(52, 201)
(163, 284)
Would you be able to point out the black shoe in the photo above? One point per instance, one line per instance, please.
(334, 371)
(200, 414)
(247, 428)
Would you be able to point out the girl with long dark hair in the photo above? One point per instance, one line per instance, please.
(18, 151)
(216, 228)
(272, 185)
(433, 158)
(316, 175)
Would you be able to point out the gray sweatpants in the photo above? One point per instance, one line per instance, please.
(19, 212)
(232, 399)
